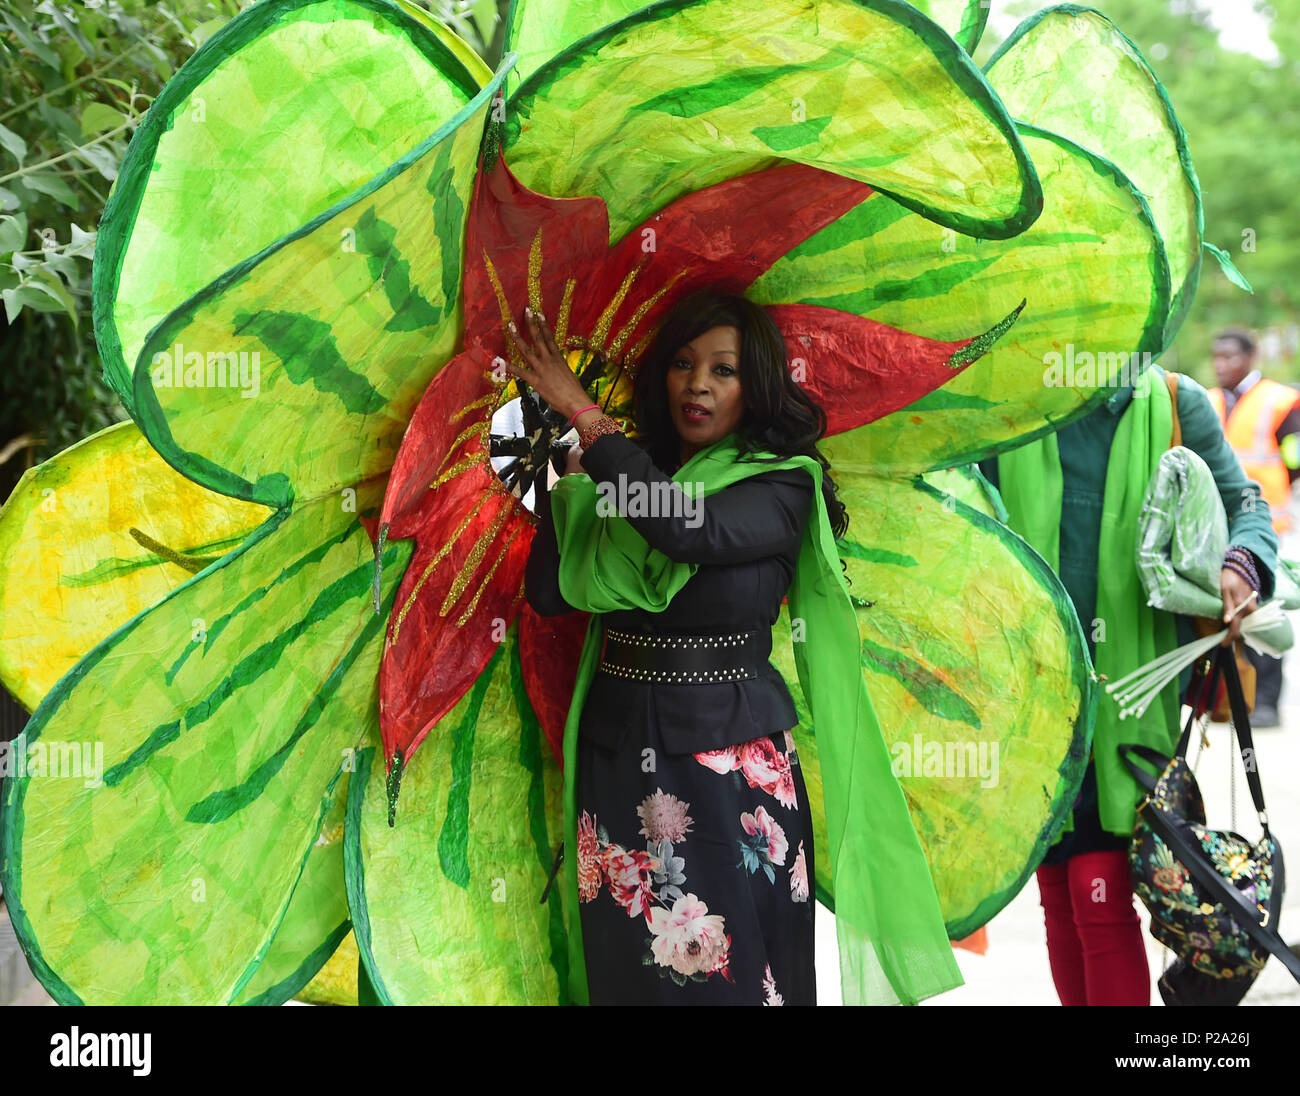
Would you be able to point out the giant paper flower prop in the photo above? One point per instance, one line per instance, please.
(301, 283)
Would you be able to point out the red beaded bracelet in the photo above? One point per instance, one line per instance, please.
(603, 425)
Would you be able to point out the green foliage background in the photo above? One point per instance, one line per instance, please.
(1242, 117)
(76, 78)
(75, 81)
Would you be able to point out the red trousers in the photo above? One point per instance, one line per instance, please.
(1094, 937)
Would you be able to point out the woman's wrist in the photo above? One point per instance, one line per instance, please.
(592, 425)
(1242, 561)
(585, 418)
(570, 405)
(587, 407)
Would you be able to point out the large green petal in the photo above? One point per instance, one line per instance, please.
(1092, 269)
(1071, 70)
(472, 931)
(966, 483)
(226, 716)
(336, 982)
(74, 572)
(687, 93)
(284, 112)
(969, 644)
(338, 328)
(316, 922)
(537, 30)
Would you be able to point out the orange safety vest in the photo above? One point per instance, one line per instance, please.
(1251, 430)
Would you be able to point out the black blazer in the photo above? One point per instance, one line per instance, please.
(746, 548)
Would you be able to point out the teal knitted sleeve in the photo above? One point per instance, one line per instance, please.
(1250, 524)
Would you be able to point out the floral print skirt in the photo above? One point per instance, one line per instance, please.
(694, 875)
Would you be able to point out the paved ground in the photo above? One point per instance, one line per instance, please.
(1015, 971)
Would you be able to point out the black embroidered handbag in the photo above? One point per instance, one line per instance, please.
(1214, 898)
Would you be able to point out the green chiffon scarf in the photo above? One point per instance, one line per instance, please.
(1134, 633)
(893, 946)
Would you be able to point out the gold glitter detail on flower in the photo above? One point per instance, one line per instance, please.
(477, 428)
(483, 585)
(535, 273)
(462, 465)
(616, 347)
(606, 319)
(516, 356)
(566, 306)
(482, 401)
(472, 560)
(642, 345)
(438, 558)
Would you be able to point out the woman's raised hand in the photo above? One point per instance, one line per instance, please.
(545, 370)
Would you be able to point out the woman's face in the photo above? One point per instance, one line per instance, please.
(705, 374)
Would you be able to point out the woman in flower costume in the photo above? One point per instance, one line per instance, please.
(195, 589)
(684, 693)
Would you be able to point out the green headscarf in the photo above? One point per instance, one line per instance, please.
(892, 941)
(1030, 482)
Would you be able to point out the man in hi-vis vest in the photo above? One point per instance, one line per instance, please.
(1261, 418)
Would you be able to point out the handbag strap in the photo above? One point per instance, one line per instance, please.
(1241, 725)
(1192, 857)
(1209, 689)
(1176, 437)
(1146, 753)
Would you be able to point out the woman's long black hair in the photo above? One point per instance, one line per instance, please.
(779, 415)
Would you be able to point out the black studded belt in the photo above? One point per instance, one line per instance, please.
(683, 658)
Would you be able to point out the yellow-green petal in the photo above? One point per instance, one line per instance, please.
(680, 95)
(226, 716)
(478, 829)
(966, 483)
(537, 30)
(977, 666)
(1071, 70)
(280, 115)
(74, 572)
(336, 331)
(316, 922)
(1091, 269)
